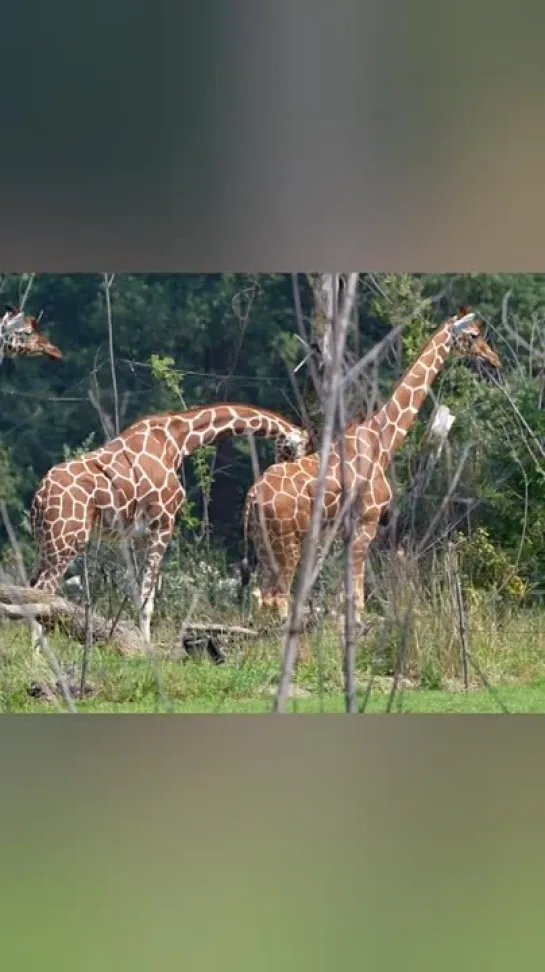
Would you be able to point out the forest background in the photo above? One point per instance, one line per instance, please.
(182, 340)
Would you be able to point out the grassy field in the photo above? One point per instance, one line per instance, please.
(246, 683)
(525, 699)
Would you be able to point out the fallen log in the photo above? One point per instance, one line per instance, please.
(231, 630)
(196, 638)
(52, 691)
(24, 603)
(200, 639)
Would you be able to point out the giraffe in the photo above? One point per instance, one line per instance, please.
(278, 506)
(131, 485)
(20, 337)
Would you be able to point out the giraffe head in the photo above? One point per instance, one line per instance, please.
(470, 342)
(294, 445)
(20, 337)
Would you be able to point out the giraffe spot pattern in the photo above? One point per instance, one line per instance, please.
(279, 505)
(131, 485)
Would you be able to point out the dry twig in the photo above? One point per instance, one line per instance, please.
(337, 329)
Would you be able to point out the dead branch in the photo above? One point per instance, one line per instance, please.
(453, 568)
(24, 603)
(338, 328)
(446, 499)
(108, 281)
(349, 602)
(325, 287)
(88, 609)
(315, 378)
(28, 288)
(231, 630)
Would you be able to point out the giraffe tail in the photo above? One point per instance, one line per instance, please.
(36, 521)
(36, 513)
(245, 569)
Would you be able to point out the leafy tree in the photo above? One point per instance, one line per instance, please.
(187, 339)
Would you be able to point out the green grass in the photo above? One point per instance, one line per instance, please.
(528, 699)
(247, 683)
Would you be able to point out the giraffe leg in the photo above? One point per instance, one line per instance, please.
(277, 544)
(266, 567)
(275, 584)
(363, 538)
(57, 548)
(49, 575)
(61, 534)
(291, 554)
(47, 578)
(264, 581)
(161, 534)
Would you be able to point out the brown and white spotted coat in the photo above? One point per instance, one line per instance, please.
(280, 502)
(131, 484)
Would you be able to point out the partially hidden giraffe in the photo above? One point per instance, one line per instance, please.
(280, 502)
(131, 484)
(21, 338)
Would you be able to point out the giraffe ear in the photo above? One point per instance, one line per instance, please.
(17, 318)
(461, 323)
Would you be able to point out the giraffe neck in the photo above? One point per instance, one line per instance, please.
(198, 427)
(399, 413)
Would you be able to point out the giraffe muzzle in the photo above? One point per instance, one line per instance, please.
(51, 351)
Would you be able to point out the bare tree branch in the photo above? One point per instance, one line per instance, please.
(27, 290)
(337, 327)
(349, 600)
(304, 337)
(446, 499)
(108, 281)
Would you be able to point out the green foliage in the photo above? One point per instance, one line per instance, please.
(202, 460)
(10, 480)
(486, 292)
(163, 370)
(289, 348)
(503, 650)
(399, 296)
(487, 566)
(77, 451)
(11, 496)
(401, 301)
(187, 339)
(513, 481)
